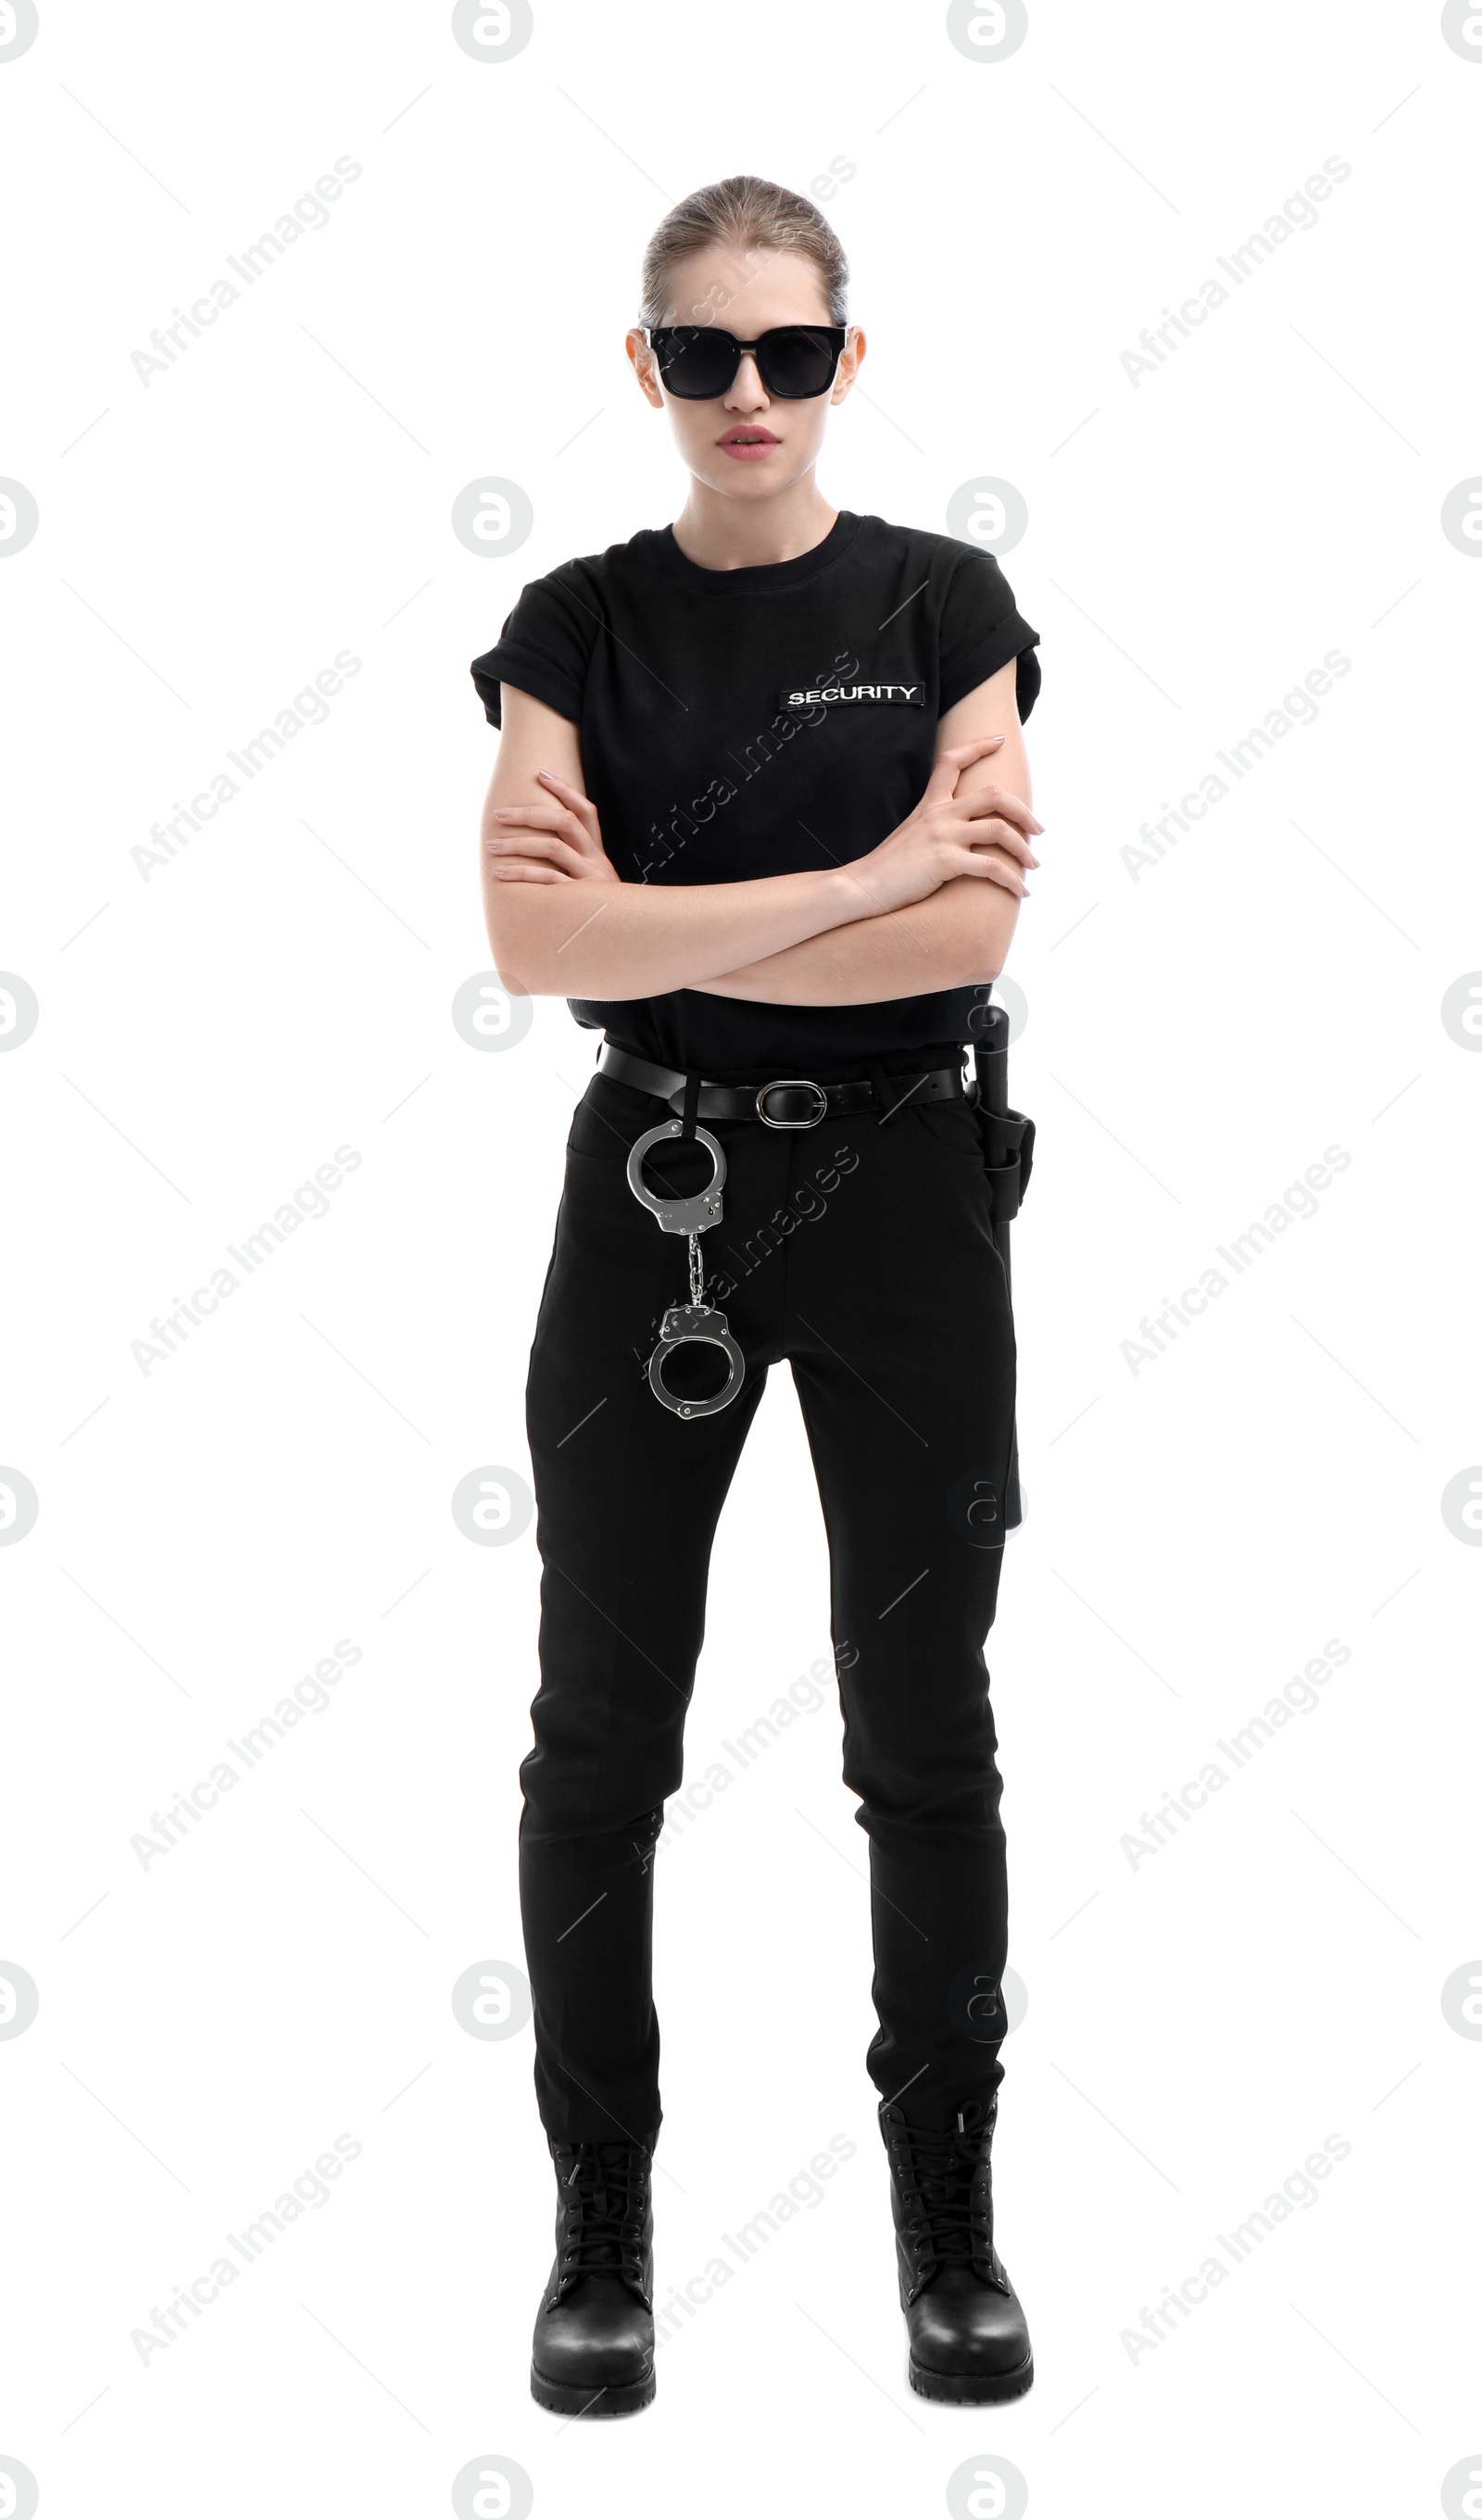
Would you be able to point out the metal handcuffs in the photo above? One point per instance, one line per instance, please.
(696, 1324)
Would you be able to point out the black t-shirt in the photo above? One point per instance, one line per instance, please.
(762, 721)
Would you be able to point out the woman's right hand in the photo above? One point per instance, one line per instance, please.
(558, 842)
(983, 832)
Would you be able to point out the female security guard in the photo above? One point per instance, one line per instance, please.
(761, 815)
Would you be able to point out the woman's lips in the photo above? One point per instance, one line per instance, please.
(748, 446)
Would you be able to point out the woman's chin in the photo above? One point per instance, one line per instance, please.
(757, 478)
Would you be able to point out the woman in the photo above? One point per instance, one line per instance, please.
(761, 814)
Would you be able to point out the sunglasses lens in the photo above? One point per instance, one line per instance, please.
(696, 362)
(797, 363)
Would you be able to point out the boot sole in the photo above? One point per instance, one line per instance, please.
(973, 2388)
(564, 2399)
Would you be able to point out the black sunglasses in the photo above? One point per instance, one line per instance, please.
(796, 361)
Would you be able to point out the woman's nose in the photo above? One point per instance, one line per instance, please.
(746, 387)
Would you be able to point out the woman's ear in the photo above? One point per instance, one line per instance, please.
(644, 366)
(849, 361)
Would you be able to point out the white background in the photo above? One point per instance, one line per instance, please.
(1197, 1035)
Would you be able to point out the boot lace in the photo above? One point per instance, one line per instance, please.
(606, 2186)
(942, 2169)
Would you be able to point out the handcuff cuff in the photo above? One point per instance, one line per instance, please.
(696, 1324)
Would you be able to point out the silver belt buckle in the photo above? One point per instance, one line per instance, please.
(807, 1086)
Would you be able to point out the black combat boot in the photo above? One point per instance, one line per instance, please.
(969, 2337)
(594, 2332)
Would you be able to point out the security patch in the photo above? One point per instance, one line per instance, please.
(830, 695)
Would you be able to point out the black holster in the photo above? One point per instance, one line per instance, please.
(1007, 1143)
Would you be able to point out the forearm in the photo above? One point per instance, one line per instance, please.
(633, 940)
(957, 939)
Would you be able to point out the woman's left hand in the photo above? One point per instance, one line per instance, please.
(558, 842)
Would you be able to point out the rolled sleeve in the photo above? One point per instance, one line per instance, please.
(981, 631)
(544, 649)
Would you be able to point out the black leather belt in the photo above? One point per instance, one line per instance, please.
(787, 1101)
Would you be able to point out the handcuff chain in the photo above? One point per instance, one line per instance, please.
(696, 1324)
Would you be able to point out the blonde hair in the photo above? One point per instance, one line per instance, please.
(752, 216)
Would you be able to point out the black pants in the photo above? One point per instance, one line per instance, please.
(862, 1252)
